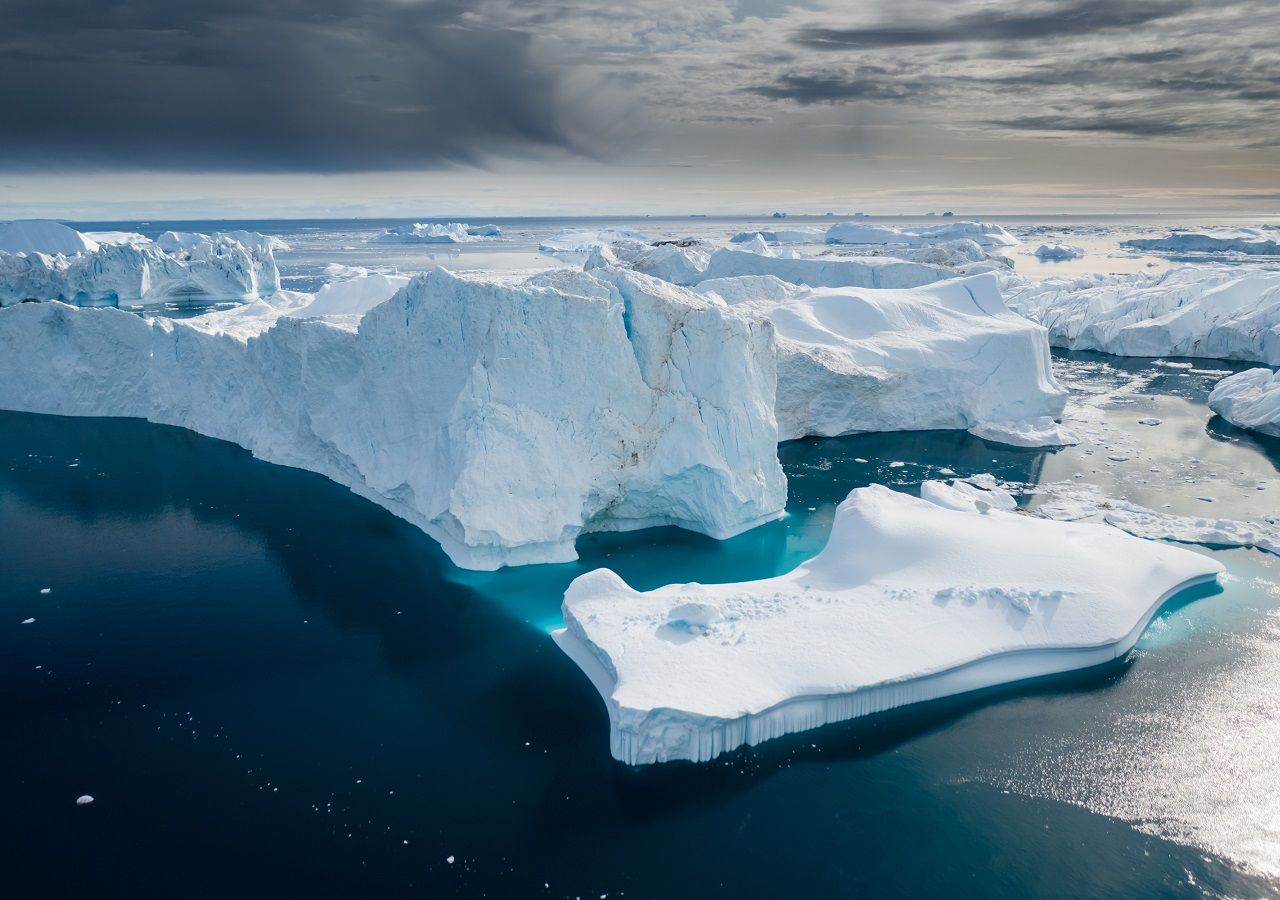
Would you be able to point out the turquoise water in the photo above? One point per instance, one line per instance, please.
(273, 687)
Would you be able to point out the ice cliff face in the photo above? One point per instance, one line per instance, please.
(174, 268)
(1218, 312)
(1249, 400)
(910, 601)
(504, 420)
(947, 355)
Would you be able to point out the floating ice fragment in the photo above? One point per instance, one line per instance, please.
(84, 800)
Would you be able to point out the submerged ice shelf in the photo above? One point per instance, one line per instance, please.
(910, 601)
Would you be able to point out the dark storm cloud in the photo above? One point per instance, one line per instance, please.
(1079, 17)
(315, 85)
(866, 84)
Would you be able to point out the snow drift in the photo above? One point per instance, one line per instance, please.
(504, 420)
(1218, 312)
(1249, 400)
(910, 601)
(947, 355)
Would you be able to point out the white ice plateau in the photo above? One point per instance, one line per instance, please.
(910, 601)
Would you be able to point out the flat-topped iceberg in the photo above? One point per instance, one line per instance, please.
(1252, 241)
(1249, 399)
(910, 601)
(1219, 312)
(437, 233)
(825, 271)
(799, 235)
(984, 234)
(946, 355)
(502, 419)
(233, 266)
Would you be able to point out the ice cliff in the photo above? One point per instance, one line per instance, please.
(502, 419)
(910, 601)
(1249, 399)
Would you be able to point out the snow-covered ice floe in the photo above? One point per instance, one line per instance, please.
(983, 233)
(1058, 252)
(442, 233)
(910, 601)
(1252, 241)
(1219, 312)
(946, 355)
(174, 268)
(1249, 399)
(502, 419)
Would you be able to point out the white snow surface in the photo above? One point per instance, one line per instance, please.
(983, 233)
(502, 419)
(238, 266)
(1219, 312)
(352, 296)
(445, 233)
(1252, 241)
(1058, 252)
(910, 601)
(825, 271)
(946, 355)
(1249, 399)
(40, 236)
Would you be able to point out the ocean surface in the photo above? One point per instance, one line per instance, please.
(272, 687)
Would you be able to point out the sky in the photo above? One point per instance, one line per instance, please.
(233, 108)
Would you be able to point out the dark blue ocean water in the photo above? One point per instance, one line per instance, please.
(273, 688)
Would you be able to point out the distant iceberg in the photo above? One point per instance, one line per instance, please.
(1253, 241)
(1218, 312)
(1249, 399)
(446, 233)
(503, 419)
(984, 234)
(231, 266)
(883, 617)
(799, 235)
(946, 355)
(1058, 252)
(584, 240)
(825, 271)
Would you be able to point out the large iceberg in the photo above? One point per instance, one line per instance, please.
(947, 355)
(1249, 399)
(825, 271)
(443, 233)
(39, 236)
(910, 601)
(1252, 241)
(1219, 312)
(502, 419)
(234, 266)
(982, 233)
(799, 235)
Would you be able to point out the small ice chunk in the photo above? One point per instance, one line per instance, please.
(84, 800)
(1150, 420)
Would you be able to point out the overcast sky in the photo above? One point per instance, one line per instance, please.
(441, 107)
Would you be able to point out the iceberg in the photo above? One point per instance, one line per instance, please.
(351, 296)
(580, 241)
(946, 355)
(1219, 312)
(446, 233)
(982, 233)
(678, 263)
(504, 419)
(1252, 241)
(1249, 399)
(1058, 252)
(237, 266)
(825, 271)
(909, 601)
(800, 235)
(39, 236)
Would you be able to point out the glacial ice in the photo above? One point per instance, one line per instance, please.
(983, 233)
(502, 419)
(582, 241)
(351, 296)
(1058, 252)
(446, 233)
(1253, 241)
(175, 267)
(825, 271)
(910, 601)
(1219, 312)
(946, 355)
(799, 235)
(1249, 399)
(39, 236)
